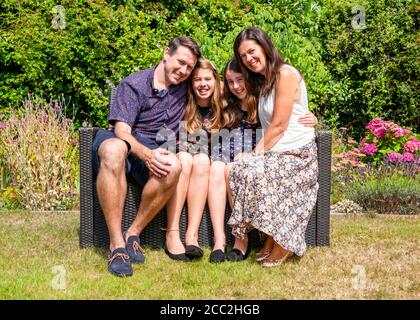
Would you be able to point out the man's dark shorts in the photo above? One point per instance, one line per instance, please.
(134, 167)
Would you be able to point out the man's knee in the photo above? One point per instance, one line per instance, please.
(112, 154)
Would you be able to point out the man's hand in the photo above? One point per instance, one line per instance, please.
(157, 162)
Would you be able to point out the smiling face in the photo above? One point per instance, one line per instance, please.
(253, 56)
(236, 83)
(203, 85)
(178, 66)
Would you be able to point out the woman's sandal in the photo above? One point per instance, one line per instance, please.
(260, 256)
(274, 263)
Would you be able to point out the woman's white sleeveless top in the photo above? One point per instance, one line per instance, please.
(296, 135)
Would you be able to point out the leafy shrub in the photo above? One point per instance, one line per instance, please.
(375, 68)
(351, 75)
(39, 150)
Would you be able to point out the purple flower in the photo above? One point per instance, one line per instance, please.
(369, 149)
(2, 126)
(394, 157)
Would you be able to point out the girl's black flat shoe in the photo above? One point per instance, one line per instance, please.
(179, 257)
(236, 255)
(193, 252)
(217, 256)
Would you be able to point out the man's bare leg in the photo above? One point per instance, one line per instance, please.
(155, 195)
(111, 185)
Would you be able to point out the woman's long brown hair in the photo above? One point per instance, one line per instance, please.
(261, 85)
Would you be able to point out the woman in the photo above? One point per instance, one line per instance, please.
(274, 189)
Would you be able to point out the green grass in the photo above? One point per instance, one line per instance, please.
(387, 247)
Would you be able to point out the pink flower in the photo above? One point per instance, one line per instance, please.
(407, 157)
(378, 127)
(396, 129)
(379, 132)
(412, 145)
(398, 132)
(406, 131)
(2, 126)
(369, 149)
(375, 123)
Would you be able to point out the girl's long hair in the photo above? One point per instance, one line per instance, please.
(261, 85)
(192, 115)
(232, 113)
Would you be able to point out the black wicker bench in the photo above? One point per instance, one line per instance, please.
(94, 232)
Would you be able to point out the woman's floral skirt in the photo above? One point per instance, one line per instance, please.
(275, 193)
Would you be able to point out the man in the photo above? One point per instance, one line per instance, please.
(145, 103)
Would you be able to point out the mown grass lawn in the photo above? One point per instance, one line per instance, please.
(369, 258)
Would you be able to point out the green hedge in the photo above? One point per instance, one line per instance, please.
(352, 75)
(375, 69)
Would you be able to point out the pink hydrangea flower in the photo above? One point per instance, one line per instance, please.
(412, 145)
(406, 131)
(379, 132)
(407, 157)
(369, 149)
(396, 130)
(375, 123)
